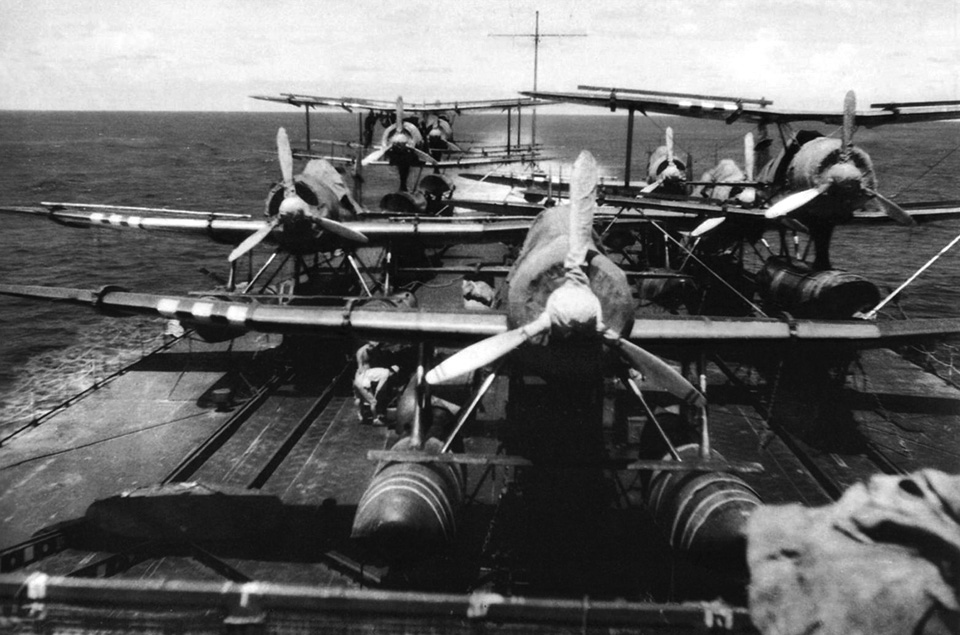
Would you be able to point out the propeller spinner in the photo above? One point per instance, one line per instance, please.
(400, 137)
(671, 172)
(571, 307)
(292, 208)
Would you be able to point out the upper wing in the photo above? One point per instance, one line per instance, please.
(347, 103)
(415, 230)
(482, 104)
(732, 109)
(351, 103)
(458, 327)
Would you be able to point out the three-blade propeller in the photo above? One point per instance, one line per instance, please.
(292, 208)
(842, 175)
(571, 307)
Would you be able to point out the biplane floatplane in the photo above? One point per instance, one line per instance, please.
(419, 135)
(565, 322)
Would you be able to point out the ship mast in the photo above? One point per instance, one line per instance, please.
(536, 35)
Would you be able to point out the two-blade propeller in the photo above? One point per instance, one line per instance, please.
(571, 307)
(671, 172)
(440, 134)
(747, 195)
(843, 174)
(400, 136)
(292, 208)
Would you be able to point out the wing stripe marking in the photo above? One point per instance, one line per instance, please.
(202, 309)
(237, 314)
(167, 307)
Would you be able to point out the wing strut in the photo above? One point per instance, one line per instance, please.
(630, 383)
(469, 409)
(629, 160)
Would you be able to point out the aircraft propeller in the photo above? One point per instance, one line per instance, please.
(843, 176)
(671, 172)
(707, 226)
(571, 307)
(400, 135)
(747, 196)
(440, 133)
(292, 208)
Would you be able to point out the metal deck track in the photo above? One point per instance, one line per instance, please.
(246, 450)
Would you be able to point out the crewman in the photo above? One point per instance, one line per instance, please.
(372, 383)
(172, 329)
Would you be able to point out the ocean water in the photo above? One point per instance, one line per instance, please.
(226, 162)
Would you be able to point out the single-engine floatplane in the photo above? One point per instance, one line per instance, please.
(565, 320)
(306, 213)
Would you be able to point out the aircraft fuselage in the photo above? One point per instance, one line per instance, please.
(539, 272)
(322, 188)
(665, 165)
(844, 180)
(820, 163)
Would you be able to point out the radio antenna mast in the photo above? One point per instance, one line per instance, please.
(536, 35)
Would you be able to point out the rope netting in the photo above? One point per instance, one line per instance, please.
(942, 360)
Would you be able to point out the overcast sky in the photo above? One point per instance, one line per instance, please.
(213, 54)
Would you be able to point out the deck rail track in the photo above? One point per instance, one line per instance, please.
(281, 453)
(202, 453)
(48, 543)
(119, 562)
(59, 539)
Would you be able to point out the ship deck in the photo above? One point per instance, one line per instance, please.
(246, 468)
